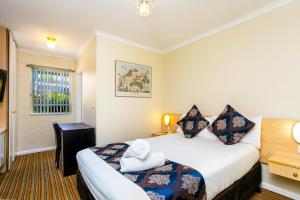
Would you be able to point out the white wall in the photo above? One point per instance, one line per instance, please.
(254, 66)
(87, 66)
(125, 118)
(36, 131)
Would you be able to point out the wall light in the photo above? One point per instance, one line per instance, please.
(296, 132)
(51, 42)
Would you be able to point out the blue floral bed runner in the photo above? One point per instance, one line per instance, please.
(171, 181)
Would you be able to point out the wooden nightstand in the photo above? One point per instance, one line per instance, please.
(286, 166)
(160, 133)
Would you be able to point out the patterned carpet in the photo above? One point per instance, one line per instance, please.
(34, 176)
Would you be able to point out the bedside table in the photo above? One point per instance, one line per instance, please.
(286, 166)
(160, 133)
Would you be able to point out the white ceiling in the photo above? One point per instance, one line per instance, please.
(73, 22)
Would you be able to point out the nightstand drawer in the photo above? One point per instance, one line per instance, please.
(286, 171)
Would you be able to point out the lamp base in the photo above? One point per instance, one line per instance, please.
(166, 132)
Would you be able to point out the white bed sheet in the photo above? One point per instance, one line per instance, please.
(220, 164)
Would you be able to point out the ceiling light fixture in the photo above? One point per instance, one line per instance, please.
(51, 42)
(144, 7)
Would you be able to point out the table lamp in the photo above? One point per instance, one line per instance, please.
(167, 121)
(296, 132)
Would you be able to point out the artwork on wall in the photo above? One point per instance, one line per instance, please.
(133, 80)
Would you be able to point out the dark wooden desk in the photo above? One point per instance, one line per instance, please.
(74, 137)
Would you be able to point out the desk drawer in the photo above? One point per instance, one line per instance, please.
(286, 171)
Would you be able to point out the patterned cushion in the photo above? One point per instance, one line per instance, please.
(230, 126)
(193, 123)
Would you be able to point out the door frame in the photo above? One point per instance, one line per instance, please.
(79, 96)
(12, 101)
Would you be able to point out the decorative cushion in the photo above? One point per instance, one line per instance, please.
(192, 123)
(230, 126)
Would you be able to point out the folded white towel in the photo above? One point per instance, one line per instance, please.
(140, 149)
(135, 165)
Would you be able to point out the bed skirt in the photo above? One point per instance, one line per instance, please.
(241, 189)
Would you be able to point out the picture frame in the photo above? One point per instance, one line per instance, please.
(132, 80)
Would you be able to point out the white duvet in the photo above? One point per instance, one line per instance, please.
(220, 165)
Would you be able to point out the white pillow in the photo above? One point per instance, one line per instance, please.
(179, 130)
(254, 135)
(205, 133)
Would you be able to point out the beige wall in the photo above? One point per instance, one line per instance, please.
(87, 66)
(125, 118)
(35, 131)
(254, 66)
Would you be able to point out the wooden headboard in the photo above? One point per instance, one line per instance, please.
(276, 137)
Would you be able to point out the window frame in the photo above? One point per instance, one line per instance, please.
(57, 86)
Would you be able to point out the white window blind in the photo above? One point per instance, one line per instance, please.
(50, 90)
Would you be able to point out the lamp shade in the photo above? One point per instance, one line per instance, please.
(144, 7)
(296, 132)
(167, 119)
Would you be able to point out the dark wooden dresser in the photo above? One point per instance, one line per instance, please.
(74, 137)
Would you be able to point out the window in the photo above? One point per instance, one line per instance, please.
(50, 90)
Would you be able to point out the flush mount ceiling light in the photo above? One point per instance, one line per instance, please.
(51, 42)
(144, 7)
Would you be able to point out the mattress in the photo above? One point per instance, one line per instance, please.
(221, 165)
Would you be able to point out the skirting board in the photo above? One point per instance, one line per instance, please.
(279, 190)
(34, 150)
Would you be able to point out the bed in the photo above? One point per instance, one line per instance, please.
(230, 171)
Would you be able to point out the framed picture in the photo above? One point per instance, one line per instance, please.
(133, 80)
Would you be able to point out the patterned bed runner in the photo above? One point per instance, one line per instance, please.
(172, 181)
